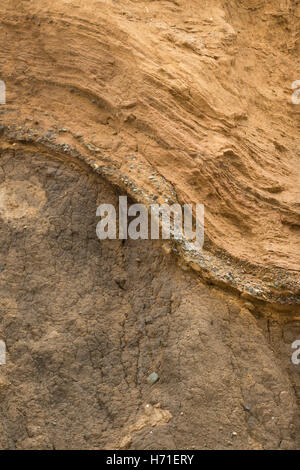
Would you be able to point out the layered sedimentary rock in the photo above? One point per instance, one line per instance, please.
(162, 101)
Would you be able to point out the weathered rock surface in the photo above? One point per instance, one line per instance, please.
(158, 100)
(81, 344)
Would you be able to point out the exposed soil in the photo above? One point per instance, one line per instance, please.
(156, 100)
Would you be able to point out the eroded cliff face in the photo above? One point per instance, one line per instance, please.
(158, 100)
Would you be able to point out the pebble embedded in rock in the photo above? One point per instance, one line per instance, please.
(153, 378)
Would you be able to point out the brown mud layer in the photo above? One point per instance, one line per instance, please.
(161, 101)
